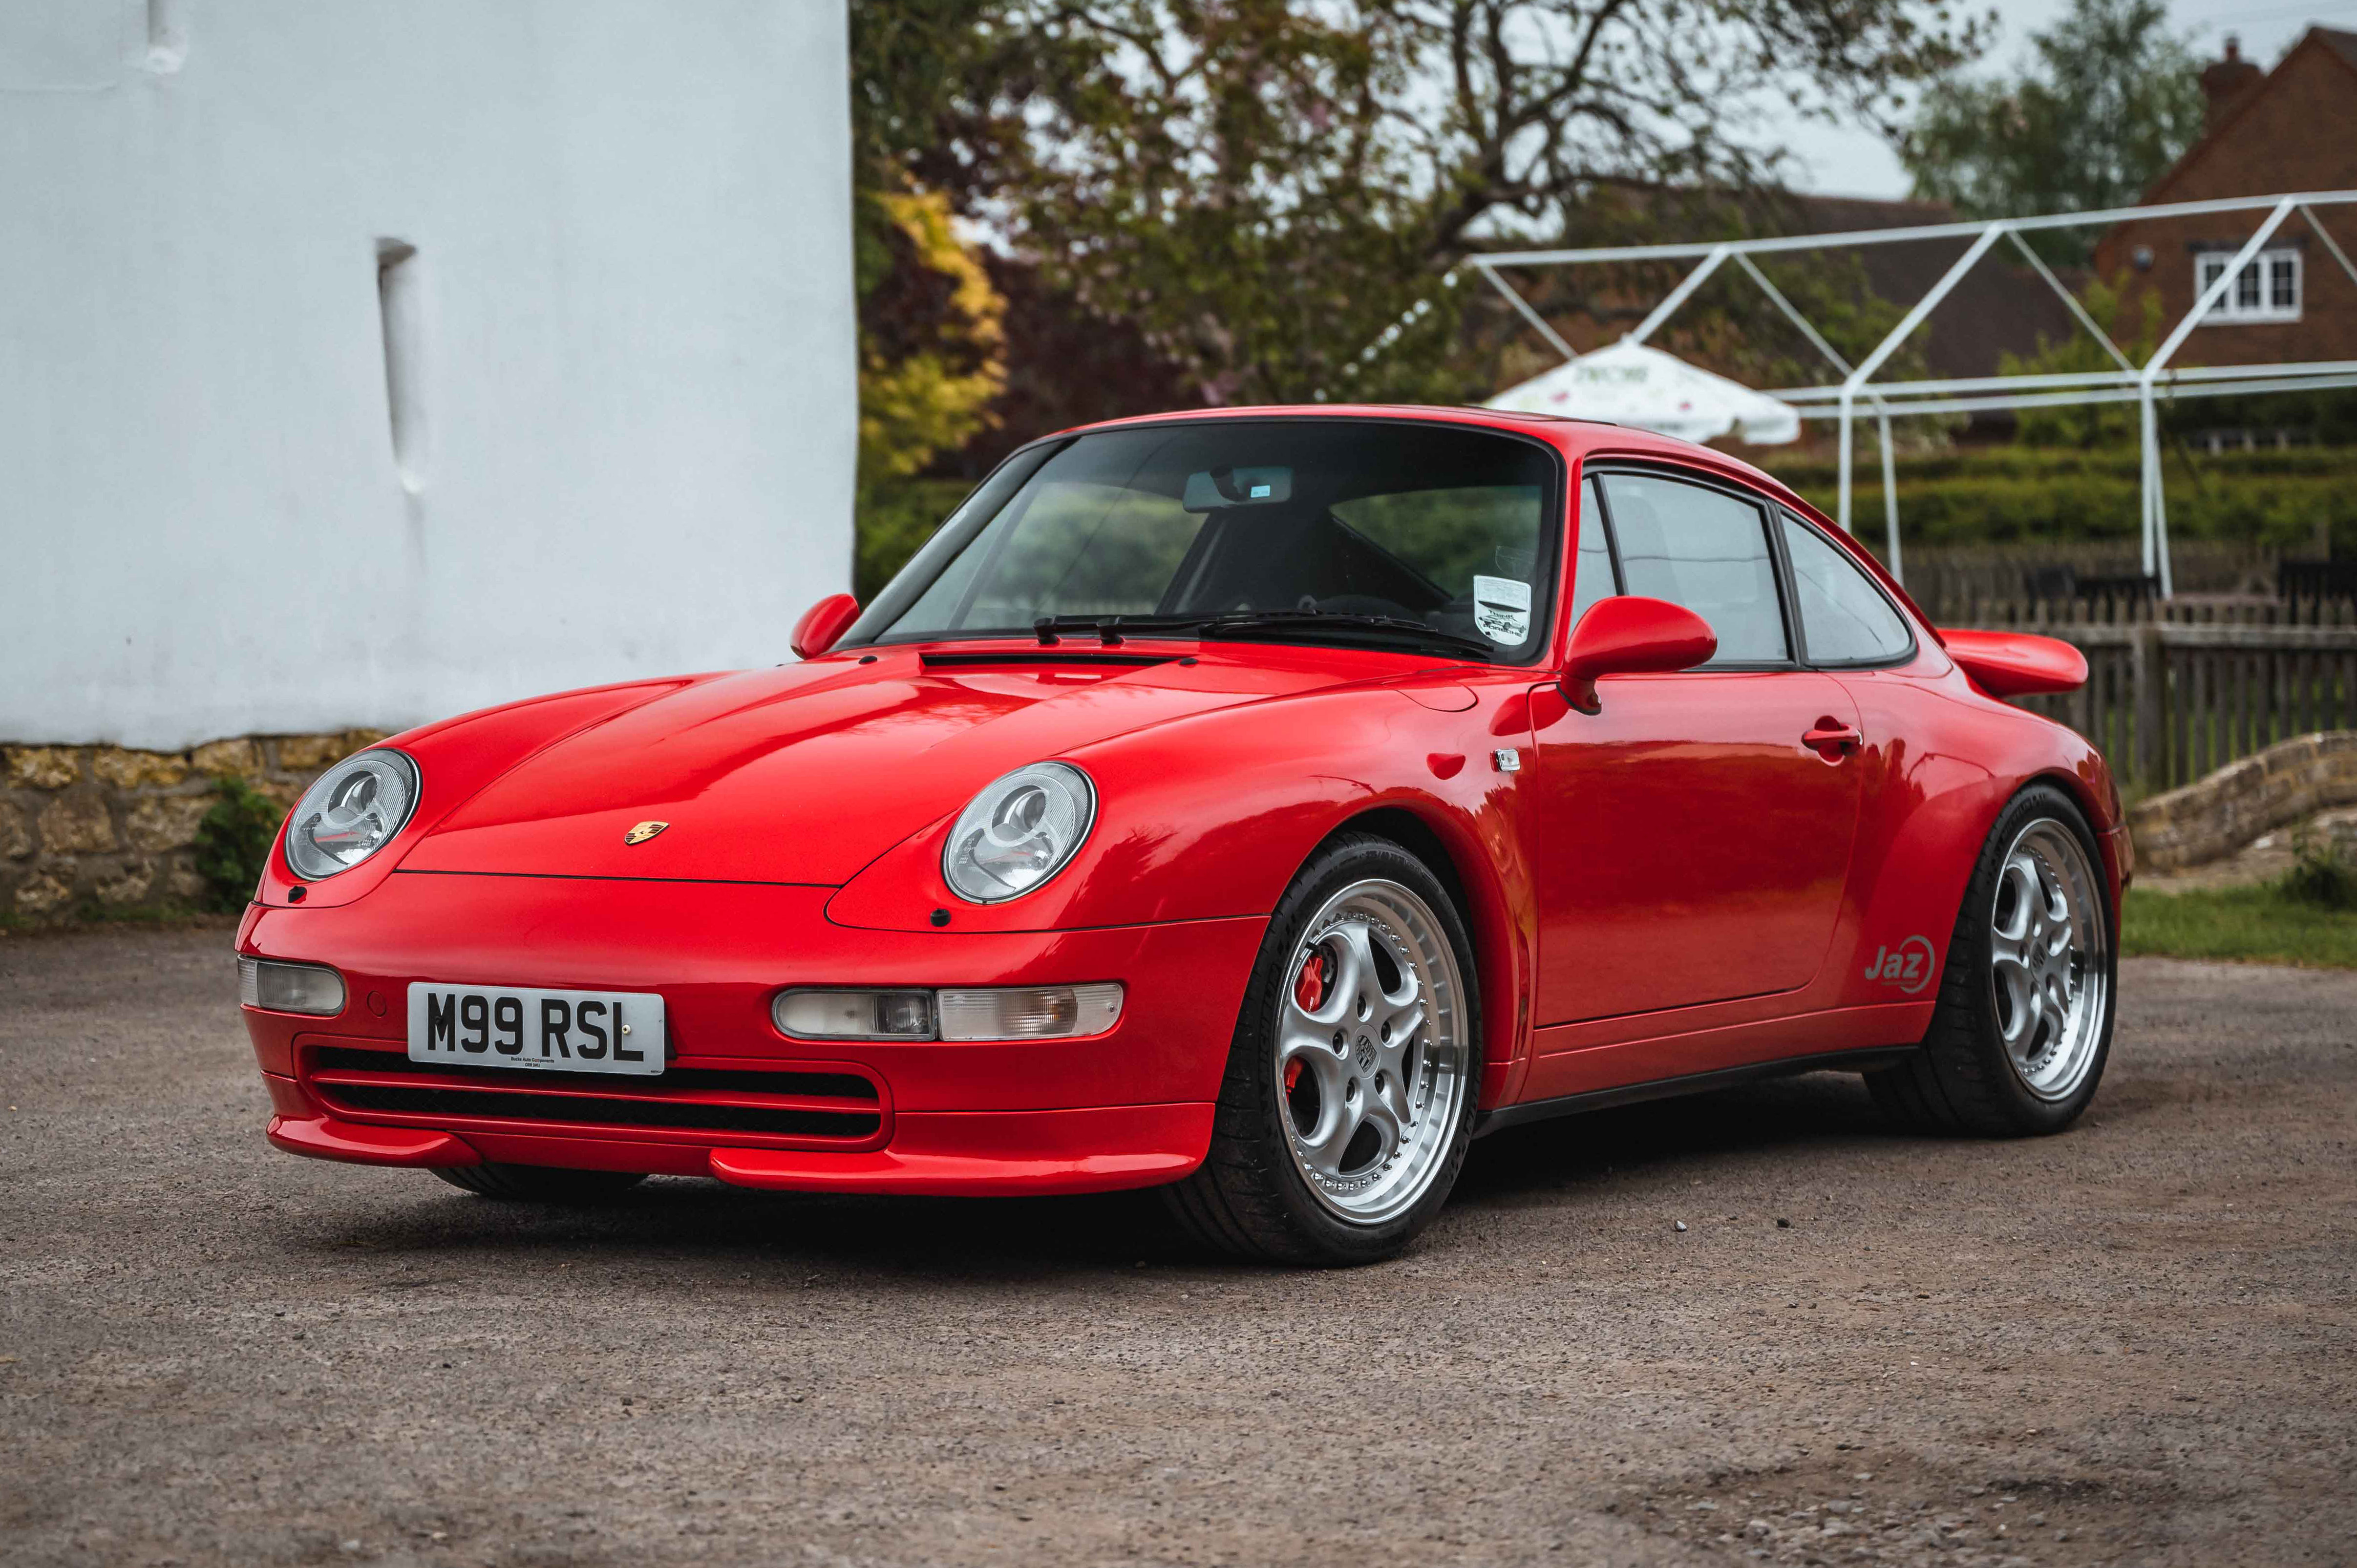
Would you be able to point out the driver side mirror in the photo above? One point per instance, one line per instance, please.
(1628, 635)
(822, 625)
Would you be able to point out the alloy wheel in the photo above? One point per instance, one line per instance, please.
(2048, 970)
(1371, 1053)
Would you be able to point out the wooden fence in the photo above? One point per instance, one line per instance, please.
(2169, 702)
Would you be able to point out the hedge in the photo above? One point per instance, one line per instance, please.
(2282, 500)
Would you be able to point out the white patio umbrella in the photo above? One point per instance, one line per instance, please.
(1630, 383)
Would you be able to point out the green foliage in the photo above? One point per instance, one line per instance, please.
(927, 375)
(2092, 425)
(1276, 193)
(2058, 495)
(2259, 924)
(894, 520)
(233, 843)
(2112, 101)
(931, 356)
(2321, 874)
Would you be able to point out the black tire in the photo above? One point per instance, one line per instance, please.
(1249, 1199)
(540, 1184)
(1964, 1082)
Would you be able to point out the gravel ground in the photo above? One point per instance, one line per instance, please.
(2129, 1343)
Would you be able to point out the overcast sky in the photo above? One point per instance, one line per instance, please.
(1856, 162)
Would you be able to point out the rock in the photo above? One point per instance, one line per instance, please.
(182, 883)
(42, 895)
(41, 767)
(309, 752)
(1783, 1225)
(163, 822)
(15, 833)
(1681, 1225)
(128, 885)
(220, 758)
(75, 825)
(128, 770)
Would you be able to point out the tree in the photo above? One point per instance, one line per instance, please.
(1276, 192)
(1272, 188)
(2132, 318)
(936, 87)
(2112, 101)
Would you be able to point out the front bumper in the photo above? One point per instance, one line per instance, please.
(737, 1099)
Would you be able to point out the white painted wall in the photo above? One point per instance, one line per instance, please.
(633, 353)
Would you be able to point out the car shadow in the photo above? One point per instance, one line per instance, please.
(1806, 1110)
(707, 1226)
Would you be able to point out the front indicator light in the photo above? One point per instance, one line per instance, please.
(854, 1015)
(1029, 1011)
(1011, 1013)
(289, 987)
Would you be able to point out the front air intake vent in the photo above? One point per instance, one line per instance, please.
(801, 1104)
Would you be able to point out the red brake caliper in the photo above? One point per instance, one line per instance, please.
(1308, 990)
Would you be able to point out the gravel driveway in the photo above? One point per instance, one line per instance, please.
(2129, 1343)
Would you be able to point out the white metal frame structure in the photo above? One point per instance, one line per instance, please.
(2142, 384)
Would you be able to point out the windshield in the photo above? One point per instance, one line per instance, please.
(1303, 529)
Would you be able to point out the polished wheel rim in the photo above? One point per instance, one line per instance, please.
(2047, 959)
(1371, 1051)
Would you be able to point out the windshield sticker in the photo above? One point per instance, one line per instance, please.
(1501, 610)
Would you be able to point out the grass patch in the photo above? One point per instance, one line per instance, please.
(2261, 924)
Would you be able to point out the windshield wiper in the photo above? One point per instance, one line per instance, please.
(1394, 628)
(1240, 624)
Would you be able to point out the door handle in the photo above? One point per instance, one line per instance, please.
(1832, 739)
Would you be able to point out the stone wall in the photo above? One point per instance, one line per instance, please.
(93, 830)
(2287, 782)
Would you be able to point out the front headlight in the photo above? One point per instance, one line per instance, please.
(350, 812)
(1019, 832)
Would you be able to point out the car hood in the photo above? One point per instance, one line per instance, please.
(806, 773)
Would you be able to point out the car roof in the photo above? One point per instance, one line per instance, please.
(1572, 437)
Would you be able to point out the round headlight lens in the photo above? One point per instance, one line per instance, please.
(1019, 832)
(350, 812)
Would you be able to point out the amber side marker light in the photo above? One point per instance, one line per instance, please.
(1002, 1012)
(289, 987)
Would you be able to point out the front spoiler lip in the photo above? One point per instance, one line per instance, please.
(1019, 1154)
(366, 1143)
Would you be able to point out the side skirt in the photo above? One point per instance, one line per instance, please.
(1506, 1116)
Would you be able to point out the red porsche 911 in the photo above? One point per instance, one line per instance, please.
(1257, 805)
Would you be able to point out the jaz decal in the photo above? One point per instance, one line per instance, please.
(1907, 966)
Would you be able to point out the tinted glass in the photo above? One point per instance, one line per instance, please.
(1592, 576)
(1845, 620)
(1703, 549)
(1447, 527)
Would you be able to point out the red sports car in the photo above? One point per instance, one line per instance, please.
(1258, 805)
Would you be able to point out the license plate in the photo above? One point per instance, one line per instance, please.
(562, 1031)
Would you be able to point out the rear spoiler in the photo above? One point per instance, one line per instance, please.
(2016, 663)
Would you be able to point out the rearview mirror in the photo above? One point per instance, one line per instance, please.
(1628, 635)
(824, 624)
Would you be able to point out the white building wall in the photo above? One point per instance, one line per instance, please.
(624, 347)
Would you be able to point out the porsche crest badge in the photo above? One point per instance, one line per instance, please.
(643, 831)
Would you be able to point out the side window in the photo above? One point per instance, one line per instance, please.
(1705, 550)
(1592, 570)
(1845, 620)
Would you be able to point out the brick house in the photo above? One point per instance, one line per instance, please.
(2290, 129)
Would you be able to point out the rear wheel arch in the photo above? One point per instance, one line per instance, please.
(1959, 1082)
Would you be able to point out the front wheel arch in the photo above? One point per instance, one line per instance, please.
(1500, 967)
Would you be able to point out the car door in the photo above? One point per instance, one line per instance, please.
(1692, 838)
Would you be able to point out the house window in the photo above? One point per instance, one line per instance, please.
(2266, 290)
